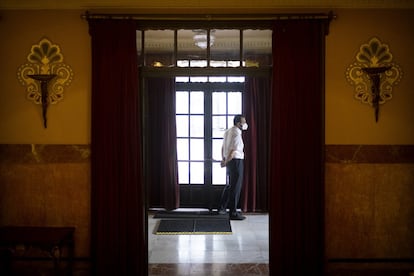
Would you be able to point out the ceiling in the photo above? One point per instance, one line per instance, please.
(201, 6)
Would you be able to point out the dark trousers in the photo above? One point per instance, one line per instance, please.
(231, 193)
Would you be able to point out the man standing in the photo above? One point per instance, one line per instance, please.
(232, 158)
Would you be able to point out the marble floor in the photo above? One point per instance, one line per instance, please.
(244, 252)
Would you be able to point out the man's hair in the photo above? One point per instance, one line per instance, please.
(237, 119)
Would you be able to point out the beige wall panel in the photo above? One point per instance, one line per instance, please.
(369, 211)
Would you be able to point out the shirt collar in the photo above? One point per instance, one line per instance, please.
(237, 129)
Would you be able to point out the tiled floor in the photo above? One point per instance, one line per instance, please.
(244, 252)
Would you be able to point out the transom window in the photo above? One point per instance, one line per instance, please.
(205, 48)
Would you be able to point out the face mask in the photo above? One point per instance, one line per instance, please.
(245, 126)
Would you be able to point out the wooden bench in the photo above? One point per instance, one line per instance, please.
(51, 240)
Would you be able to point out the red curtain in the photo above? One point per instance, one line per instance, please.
(296, 192)
(161, 149)
(257, 109)
(118, 232)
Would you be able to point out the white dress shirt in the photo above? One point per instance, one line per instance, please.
(233, 142)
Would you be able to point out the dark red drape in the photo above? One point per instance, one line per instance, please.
(296, 192)
(118, 231)
(161, 149)
(257, 110)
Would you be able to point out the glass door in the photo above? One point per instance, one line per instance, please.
(205, 107)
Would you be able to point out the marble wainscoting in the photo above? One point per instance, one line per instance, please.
(369, 191)
(47, 185)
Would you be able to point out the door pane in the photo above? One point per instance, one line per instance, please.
(219, 174)
(197, 102)
(217, 143)
(182, 125)
(208, 106)
(230, 121)
(219, 103)
(219, 126)
(197, 126)
(182, 149)
(197, 173)
(197, 149)
(181, 102)
(183, 172)
(234, 103)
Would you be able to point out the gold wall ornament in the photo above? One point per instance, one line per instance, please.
(45, 75)
(374, 74)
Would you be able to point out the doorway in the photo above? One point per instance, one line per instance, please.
(205, 107)
(297, 205)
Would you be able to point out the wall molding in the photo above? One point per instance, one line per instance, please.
(342, 154)
(35, 153)
(348, 154)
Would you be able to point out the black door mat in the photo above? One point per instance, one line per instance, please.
(189, 215)
(194, 227)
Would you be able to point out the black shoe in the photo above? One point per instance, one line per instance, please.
(222, 212)
(237, 216)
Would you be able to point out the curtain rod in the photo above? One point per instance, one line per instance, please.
(209, 17)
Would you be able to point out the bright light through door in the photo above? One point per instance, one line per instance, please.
(205, 107)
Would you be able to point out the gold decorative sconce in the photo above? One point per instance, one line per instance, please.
(374, 74)
(45, 76)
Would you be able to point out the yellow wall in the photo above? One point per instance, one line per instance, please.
(21, 119)
(348, 121)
